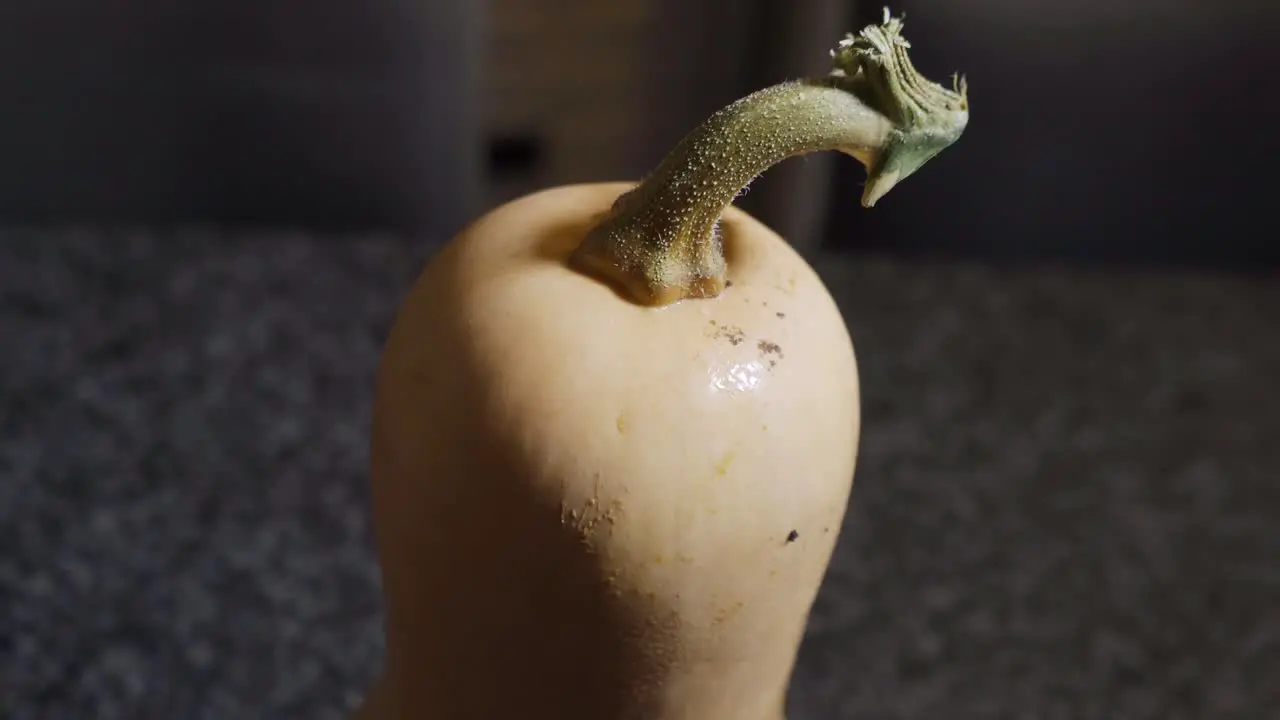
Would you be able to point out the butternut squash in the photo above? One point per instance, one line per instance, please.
(615, 425)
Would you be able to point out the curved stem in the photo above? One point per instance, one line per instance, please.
(659, 242)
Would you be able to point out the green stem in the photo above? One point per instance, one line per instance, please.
(659, 242)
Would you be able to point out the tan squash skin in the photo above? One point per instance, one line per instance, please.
(589, 501)
(615, 430)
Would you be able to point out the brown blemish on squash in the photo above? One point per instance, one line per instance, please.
(725, 614)
(770, 352)
(768, 347)
(732, 333)
(781, 314)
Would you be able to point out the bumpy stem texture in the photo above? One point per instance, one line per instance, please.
(659, 243)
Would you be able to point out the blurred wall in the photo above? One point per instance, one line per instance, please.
(1139, 131)
(326, 113)
(564, 98)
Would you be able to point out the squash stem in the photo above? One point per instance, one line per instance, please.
(660, 242)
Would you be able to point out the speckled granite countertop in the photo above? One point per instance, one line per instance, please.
(1068, 503)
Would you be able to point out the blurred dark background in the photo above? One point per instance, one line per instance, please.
(1068, 500)
(344, 115)
(1104, 133)
(1134, 132)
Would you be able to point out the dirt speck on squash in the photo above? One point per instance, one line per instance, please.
(770, 352)
(732, 333)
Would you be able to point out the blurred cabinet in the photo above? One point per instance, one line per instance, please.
(563, 95)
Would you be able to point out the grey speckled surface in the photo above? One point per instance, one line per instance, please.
(1068, 504)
